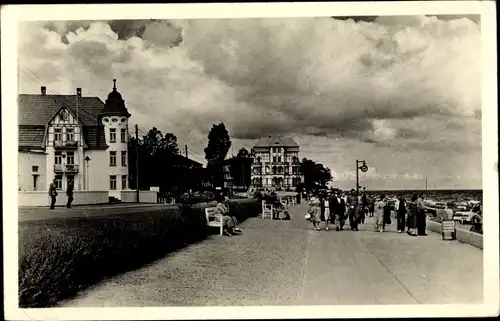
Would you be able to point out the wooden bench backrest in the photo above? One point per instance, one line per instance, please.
(210, 212)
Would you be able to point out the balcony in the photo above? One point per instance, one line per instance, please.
(58, 144)
(67, 168)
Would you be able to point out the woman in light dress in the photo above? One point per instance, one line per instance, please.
(315, 211)
(379, 213)
(327, 217)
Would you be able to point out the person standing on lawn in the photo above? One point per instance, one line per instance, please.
(53, 194)
(421, 223)
(69, 192)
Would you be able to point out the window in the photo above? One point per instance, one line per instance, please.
(279, 159)
(123, 135)
(57, 134)
(112, 182)
(124, 158)
(35, 180)
(34, 169)
(124, 181)
(274, 159)
(69, 135)
(58, 181)
(58, 158)
(70, 158)
(112, 135)
(112, 158)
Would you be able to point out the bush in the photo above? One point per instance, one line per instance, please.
(59, 257)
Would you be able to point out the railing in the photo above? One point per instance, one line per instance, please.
(58, 144)
(69, 168)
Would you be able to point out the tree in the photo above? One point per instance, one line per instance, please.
(155, 141)
(169, 142)
(216, 151)
(315, 174)
(240, 167)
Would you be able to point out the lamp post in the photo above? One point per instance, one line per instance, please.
(63, 168)
(87, 160)
(361, 167)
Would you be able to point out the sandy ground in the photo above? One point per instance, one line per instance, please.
(287, 263)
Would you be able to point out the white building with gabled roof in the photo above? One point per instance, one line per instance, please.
(276, 163)
(71, 137)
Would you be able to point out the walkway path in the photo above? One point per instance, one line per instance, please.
(287, 263)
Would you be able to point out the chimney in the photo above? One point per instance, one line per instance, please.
(44, 90)
(79, 92)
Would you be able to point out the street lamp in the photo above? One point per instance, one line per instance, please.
(87, 160)
(360, 165)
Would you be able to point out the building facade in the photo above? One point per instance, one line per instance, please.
(73, 138)
(276, 164)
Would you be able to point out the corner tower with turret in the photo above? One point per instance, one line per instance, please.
(115, 121)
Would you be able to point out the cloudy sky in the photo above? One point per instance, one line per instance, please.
(402, 93)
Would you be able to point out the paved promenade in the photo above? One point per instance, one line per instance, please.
(287, 263)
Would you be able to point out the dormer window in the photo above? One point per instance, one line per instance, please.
(70, 135)
(57, 134)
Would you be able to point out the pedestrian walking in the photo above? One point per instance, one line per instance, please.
(371, 207)
(379, 213)
(421, 223)
(364, 203)
(314, 211)
(352, 208)
(53, 194)
(412, 216)
(337, 206)
(401, 213)
(326, 214)
(69, 193)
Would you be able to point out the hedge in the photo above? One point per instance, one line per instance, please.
(61, 256)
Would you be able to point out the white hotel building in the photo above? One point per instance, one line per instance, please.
(276, 164)
(90, 148)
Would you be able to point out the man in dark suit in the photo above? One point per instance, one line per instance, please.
(337, 206)
(353, 211)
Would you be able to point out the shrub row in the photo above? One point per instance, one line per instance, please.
(59, 257)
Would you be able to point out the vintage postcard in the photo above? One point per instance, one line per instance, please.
(226, 161)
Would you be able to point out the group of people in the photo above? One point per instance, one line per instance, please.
(336, 207)
(53, 193)
(411, 215)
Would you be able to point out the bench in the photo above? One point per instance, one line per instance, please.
(213, 219)
(448, 227)
(267, 210)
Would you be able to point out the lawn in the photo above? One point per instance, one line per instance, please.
(59, 257)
